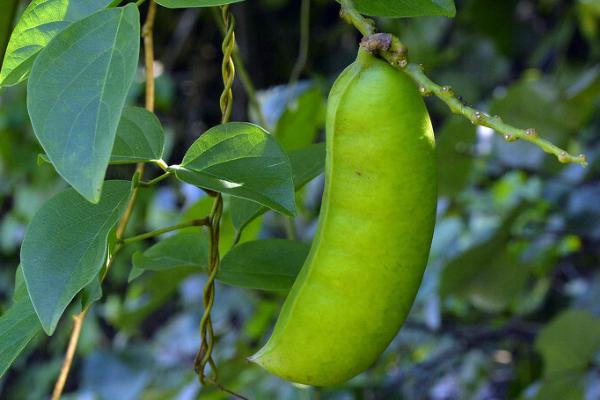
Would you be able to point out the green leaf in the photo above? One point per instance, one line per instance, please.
(486, 274)
(271, 264)
(406, 8)
(91, 293)
(65, 247)
(147, 294)
(243, 160)
(19, 324)
(194, 3)
(140, 137)
(77, 91)
(41, 21)
(307, 164)
(565, 386)
(185, 249)
(569, 342)
(455, 144)
(298, 125)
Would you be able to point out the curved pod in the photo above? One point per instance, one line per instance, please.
(375, 229)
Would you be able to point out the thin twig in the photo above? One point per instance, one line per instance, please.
(304, 43)
(394, 52)
(158, 232)
(80, 318)
(69, 355)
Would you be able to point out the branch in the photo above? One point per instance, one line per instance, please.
(394, 52)
(465, 340)
(79, 319)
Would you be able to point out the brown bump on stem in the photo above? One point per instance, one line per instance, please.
(376, 42)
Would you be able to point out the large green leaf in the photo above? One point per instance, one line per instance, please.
(18, 325)
(65, 246)
(140, 137)
(406, 8)
(77, 90)
(271, 264)
(243, 160)
(569, 342)
(194, 3)
(307, 164)
(41, 21)
(186, 249)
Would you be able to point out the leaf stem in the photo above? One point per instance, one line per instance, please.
(158, 232)
(156, 180)
(394, 52)
(161, 164)
(80, 318)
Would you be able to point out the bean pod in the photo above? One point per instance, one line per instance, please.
(375, 229)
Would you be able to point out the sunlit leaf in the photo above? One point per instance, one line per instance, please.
(40, 23)
(307, 164)
(243, 160)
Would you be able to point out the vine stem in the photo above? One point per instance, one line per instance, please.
(304, 43)
(207, 335)
(243, 74)
(394, 52)
(79, 318)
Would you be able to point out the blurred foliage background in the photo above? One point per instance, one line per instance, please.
(509, 304)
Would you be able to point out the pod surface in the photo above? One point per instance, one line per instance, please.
(375, 229)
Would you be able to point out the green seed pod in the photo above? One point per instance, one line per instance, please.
(375, 229)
